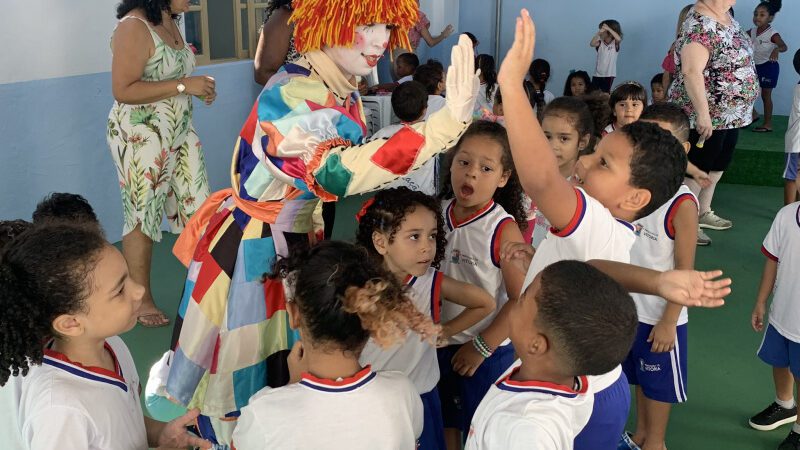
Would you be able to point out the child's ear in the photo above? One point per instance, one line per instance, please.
(294, 314)
(584, 142)
(67, 325)
(504, 178)
(636, 200)
(687, 146)
(539, 345)
(381, 242)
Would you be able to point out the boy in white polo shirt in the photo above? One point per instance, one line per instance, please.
(633, 172)
(780, 347)
(547, 400)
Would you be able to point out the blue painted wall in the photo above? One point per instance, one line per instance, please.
(53, 139)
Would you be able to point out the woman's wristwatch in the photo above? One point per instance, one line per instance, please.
(181, 86)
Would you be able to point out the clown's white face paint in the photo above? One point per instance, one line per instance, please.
(369, 45)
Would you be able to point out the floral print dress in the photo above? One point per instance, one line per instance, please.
(157, 154)
(730, 78)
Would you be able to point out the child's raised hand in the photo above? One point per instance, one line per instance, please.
(174, 434)
(518, 59)
(463, 81)
(757, 317)
(694, 288)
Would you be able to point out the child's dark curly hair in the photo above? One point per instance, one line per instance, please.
(510, 196)
(386, 213)
(10, 229)
(345, 298)
(66, 207)
(43, 274)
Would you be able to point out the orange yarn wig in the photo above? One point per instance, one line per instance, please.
(333, 22)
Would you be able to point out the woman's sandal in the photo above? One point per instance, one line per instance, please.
(762, 130)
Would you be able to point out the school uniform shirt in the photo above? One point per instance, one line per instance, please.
(369, 411)
(472, 255)
(424, 179)
(405, 78)
(528, 415)
(65, 405)
(608, 129)
(793, 130)
(606, 60)
(435, 103)
(654, 248)
(782, 245)
(762, 44)
(414, 357)
(10, 394)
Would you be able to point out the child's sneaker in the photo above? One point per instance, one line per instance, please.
(792, 442)
(702, 238)
(714, 222)
(626, 442)
(772, 417)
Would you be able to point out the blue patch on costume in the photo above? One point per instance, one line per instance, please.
(187, 296)
(247, 382)
(258, 256)
(241, 218)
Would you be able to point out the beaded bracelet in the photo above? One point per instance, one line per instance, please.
(481, 346)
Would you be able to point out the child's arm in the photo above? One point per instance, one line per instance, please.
(685, 287)
(534, 160)
(478, 304)
(467, 359)
(764, 291)
(617, 37)
(173, 434)
(595, 42)
(782, 47)
(684, 224)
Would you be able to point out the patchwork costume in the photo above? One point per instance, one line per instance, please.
(301, 143)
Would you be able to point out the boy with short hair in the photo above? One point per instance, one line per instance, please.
(632, 172)
(791, 185)
(432, 77)
(780, 347)
(544, 402)
(665, 240)
(410, 102)
(405, 66)
(657, 88)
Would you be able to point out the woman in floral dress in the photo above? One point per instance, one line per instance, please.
(157, 154)
(716, 85)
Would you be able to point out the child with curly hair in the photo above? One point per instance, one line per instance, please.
(483, 209)
(403, 231)
(70, 380)
(338, 299)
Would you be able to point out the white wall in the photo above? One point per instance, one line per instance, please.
(43, 39)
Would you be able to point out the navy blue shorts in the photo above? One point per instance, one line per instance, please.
(768, 74)
(609, 415)
(432, 437)
(461, 396)
(790, 172)
(662, 376)
(778, 351)
(603, 83)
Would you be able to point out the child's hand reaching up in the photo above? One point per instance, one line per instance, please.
(518, 253)
(518, 59)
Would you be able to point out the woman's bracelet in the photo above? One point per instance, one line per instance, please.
(481, 346)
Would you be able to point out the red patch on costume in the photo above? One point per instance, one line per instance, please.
(398, 154)
(249, 128)
(274, 297)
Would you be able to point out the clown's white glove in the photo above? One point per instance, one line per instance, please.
(462, 80)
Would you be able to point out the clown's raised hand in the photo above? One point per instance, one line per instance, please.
(462, 80)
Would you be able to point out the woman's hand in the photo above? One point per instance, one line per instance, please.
(703, 126)
(201, 86)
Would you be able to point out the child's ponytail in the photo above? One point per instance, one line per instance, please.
(386, 312)
(43, 274)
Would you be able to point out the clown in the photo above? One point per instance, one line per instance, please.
(302, 143)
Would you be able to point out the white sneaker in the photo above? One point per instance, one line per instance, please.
(702, 238)
(714, 222)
